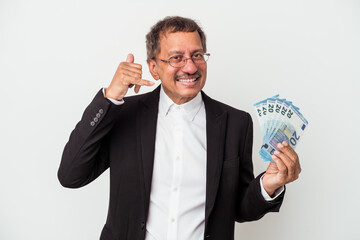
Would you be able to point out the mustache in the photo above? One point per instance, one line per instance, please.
(186, 75)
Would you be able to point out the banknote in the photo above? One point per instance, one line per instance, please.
(280, 120)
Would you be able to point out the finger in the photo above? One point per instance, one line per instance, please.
(288, 150)
(129, 80)
(290, 165)
(272, 168)
(144, 82)
(130, 58)
(294, 168)
(129, 73)
(135, 67)
(137, 88)
(280, 165)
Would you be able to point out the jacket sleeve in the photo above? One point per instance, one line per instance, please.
(252, 204)
(85, 155)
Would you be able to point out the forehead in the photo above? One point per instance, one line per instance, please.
(180, 42)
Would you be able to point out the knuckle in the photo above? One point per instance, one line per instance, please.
(284, 170)
(292, 165)
(294, 176)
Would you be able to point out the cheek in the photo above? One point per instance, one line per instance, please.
(167, 75)
(204, 67)
(170, 71)
(203, 71)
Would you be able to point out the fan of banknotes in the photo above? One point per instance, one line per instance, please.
(280, 121)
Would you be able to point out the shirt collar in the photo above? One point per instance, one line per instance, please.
(190, 108)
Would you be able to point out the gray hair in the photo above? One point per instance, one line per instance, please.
(170, 24)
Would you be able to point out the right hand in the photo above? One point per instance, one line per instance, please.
(127, 75)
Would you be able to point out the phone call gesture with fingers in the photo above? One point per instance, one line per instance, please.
(127, 75)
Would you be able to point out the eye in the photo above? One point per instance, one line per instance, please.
(198, 56)
(176, 59)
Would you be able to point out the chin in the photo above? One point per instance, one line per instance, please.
(189, 91)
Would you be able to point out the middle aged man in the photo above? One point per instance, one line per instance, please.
(180, 162)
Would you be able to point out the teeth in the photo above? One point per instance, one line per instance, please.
(187, 80)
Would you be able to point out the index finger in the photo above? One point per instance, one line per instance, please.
(288, 150)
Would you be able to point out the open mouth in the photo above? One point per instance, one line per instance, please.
(187, 80)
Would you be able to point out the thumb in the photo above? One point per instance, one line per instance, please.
(130, 58)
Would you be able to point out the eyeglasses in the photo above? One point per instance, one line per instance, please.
(179, 61)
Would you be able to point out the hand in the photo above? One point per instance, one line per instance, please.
(127, 75)
(285, 168)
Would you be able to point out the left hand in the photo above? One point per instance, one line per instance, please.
(285, 168)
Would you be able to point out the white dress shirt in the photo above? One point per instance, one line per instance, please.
(178, 189)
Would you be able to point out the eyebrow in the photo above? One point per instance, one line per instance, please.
(182, 52)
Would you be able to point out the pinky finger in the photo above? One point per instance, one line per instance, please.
(144, 82)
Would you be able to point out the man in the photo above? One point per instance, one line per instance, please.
(180, 162)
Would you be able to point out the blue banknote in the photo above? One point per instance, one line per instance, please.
(279, 121)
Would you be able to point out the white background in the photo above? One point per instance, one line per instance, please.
(55, 55)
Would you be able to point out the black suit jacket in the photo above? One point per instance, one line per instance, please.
(123, 138)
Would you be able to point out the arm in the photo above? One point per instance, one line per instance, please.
(252, 204)
(85, 155)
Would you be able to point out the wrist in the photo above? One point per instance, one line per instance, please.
(269, 187)
(109, 93)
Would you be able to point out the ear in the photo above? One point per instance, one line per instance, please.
(153, 69)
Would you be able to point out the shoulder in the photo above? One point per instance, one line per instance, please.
(150, 97)
(136, 103)
(232, 112)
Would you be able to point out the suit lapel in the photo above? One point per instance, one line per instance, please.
(146, 127)
(215, 138)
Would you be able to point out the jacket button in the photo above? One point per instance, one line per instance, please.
(92, 124)
(207, 237)
(142, 225)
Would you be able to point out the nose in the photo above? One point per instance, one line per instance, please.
(189, 67)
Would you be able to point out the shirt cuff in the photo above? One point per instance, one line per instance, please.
(116, 102)
(266, 195)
